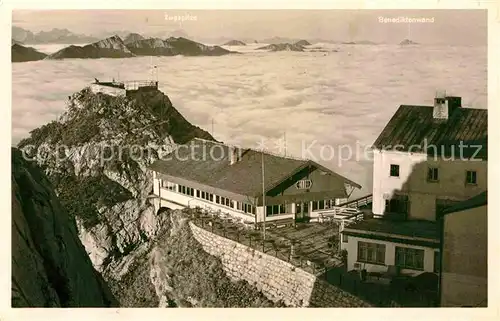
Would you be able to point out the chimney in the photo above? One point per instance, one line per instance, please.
(440, 106)
(444, 106)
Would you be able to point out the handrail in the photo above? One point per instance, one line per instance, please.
(362, 201)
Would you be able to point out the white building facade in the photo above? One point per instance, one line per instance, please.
(227, 184)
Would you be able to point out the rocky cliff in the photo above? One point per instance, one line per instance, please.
(20, 53)
(95, 156)
(50, 267)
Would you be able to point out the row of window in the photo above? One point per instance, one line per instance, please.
(275, 209)
(433, 174)
(220, 200)
(406, 258)
(205, 195)
(186, 190)
(323, 205)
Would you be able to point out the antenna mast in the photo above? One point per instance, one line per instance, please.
(152, 78)
(263, 199)
(284, 141)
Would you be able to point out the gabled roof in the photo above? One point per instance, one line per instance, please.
(465, 149)
(207, 162)
(476, 201)
(413, 126)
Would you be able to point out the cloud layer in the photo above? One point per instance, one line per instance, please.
(344, 97)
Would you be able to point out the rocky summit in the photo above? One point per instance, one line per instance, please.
(112, 47)
(95, 157)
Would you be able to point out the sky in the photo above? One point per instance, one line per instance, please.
(448, 27)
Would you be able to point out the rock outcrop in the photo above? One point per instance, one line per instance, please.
(96, 156)
(20, 53)
(50, 267)
(282, 47)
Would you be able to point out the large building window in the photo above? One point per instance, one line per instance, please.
(371, 253)
(408, 258)
(329, 204)
(321, 205)
(394, 170)
(397, 204)
(247, 208)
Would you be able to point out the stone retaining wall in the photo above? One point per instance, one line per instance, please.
(277, 279)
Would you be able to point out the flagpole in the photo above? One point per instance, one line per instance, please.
(263, 197)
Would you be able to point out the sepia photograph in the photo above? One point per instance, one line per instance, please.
(249, 158)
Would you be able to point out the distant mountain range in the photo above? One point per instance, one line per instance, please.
(126, 44)
(408, 42)
(235, 43)
(115, 47)
(282, 47)
(54, 36)
(65, 36)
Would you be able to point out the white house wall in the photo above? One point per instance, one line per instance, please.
(383, 183)
(390, 255)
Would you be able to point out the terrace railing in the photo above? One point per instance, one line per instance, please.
(136, 84)
(359, 202)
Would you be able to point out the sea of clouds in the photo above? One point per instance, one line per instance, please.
(318, 98)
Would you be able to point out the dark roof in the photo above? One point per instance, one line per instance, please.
(476, 201)
(207, 162)
(413, 126)
(409, 228)
(465, 149)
